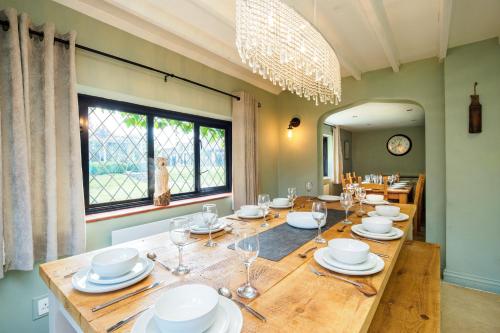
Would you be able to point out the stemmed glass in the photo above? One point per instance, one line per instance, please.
(361, 195)
(264, 201)
(180, 230)
(309, 187)
(210, 216)
(292, 195)
(247, 246)
(346, 203)
(319, 213)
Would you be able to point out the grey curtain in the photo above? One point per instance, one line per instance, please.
(245, 159)
(41, 185)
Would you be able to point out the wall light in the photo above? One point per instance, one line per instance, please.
(294, 122)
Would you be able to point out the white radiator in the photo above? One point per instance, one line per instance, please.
(140, 231)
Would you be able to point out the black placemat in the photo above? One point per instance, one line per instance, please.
(278, 242)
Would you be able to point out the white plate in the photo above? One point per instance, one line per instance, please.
(303, 220)
(204, 231)
(319, 254)
(228, 320)
(358, 229)
(368, 264)
(280, 207)
(80, 281)
(329, 198)
(365, 232)
(374, 203)
(138, 269)
(395, 186)
(400, 217)
(241, 216)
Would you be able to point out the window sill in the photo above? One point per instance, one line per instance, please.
(150, 208)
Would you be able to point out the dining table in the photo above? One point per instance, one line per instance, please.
(399, 195)
(291, 297)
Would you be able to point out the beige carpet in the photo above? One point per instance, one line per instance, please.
(468, 310)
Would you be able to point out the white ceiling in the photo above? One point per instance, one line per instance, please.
(376, 116)
(366, 34)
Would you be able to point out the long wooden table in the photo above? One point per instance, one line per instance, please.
(399, 194)
(291, 297)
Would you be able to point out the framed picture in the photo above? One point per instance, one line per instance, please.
(347, 150)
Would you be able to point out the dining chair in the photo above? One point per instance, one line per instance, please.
(418, 201)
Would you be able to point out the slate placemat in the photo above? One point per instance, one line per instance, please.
(278, 242)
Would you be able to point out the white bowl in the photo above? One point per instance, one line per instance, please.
(377, 224)
(115, 262)
(249, 210)
(188, 308)
(391, 211)
(348, 251)
(375, 197)
(281, 201)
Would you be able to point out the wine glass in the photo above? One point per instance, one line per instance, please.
(361, 195)
(210, 216)
(264, 201)
(309, 187)
(319, 213)
(180, 230)
(247, 246)
(292, 195)
(346, 203)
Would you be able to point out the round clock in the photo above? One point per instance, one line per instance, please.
(399, 145)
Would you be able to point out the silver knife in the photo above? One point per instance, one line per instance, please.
(126, 320)
(121, 298)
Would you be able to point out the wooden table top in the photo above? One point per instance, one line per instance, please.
(291, 297)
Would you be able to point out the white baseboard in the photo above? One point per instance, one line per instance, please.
(472, 281)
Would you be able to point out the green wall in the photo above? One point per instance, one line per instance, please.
(473, 167)
(370, 155)
(103, 77)
(418, 82)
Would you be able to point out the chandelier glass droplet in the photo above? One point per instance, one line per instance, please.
(283, 47)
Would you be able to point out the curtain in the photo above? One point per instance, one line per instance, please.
(245, 159)
(338, 159)
(41, 184)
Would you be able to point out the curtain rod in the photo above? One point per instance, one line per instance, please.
(6, 25)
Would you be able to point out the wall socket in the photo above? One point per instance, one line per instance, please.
(40, 306)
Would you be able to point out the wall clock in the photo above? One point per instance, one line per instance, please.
(399, 145)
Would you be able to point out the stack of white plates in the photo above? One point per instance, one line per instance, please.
(193, 308)
(112, 270)
(400, 217)
(394, 233)
(348, 256)
(199, 227)
(280, 203)
(328, 198)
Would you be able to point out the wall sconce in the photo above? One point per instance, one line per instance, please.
(294, 122)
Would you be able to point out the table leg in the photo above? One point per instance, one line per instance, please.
(403, 198)
(60, 320)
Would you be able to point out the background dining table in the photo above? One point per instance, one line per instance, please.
(399, 195)
(292, 298)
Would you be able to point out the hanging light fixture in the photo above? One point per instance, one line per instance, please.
(282, 46)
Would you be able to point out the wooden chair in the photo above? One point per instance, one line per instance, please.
(377, 188)
(411, 299)
(418, 201)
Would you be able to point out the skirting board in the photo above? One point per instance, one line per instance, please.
(472, 281)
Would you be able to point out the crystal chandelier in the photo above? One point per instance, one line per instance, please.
(280, 45)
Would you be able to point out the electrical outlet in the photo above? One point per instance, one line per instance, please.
(40, 307)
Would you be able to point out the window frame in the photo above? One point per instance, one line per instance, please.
(86, 101)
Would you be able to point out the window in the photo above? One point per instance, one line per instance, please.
(327, 156)
(121, 140)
